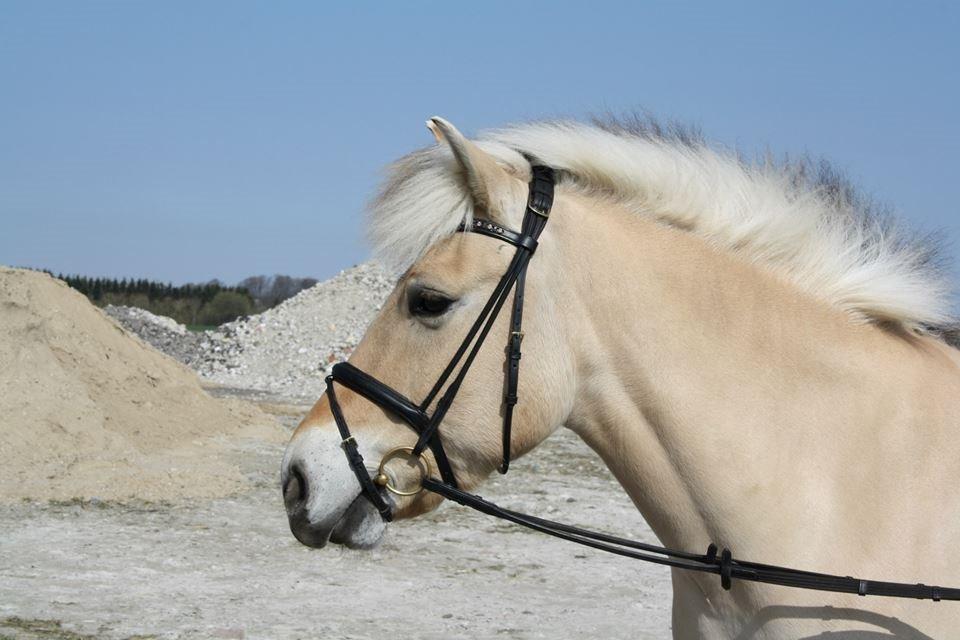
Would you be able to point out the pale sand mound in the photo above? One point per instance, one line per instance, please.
(87, 410)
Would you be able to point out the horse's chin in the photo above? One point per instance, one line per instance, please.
(360, 527)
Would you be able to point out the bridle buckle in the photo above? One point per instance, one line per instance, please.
(542, 212)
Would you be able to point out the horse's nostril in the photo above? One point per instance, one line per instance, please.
(295, 489)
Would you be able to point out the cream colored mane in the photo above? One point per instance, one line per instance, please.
(801, 220)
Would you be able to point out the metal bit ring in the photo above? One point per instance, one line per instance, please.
(383, 480)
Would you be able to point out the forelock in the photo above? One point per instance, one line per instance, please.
(424, 199)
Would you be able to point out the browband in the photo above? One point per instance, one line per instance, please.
(492, 229)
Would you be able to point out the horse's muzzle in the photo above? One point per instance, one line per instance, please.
(322, 507)
(296, 491)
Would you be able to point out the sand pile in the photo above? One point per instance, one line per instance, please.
(87, 410)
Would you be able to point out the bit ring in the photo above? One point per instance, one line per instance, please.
(383, 480)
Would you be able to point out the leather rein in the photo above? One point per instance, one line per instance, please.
(426, 424)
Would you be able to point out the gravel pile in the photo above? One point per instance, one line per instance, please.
(163, 333)
(288, 350)
(285, 351)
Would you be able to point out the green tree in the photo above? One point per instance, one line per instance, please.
(224, 307)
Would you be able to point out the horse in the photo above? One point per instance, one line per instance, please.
(755, 350)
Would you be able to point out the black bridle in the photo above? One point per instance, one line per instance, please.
(426, 425)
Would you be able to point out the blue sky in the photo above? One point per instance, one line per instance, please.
(185, 141)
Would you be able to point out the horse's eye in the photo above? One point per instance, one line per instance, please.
(426, 303)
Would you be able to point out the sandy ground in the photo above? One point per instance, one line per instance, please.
(229, 568)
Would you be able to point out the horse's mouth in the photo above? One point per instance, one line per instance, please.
(360, 527)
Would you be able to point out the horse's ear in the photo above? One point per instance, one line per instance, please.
(493, 190)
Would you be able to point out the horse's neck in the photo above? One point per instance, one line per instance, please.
(716, 392)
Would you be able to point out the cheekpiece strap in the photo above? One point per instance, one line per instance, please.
(542, 181)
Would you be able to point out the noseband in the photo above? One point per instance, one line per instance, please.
(426, 424)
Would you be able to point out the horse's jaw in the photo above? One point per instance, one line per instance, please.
(322, 496)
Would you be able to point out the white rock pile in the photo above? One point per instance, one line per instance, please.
(285, 351)
(288, 350)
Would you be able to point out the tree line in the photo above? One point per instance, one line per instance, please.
(269, 291)
(211, 303)
(208, 304)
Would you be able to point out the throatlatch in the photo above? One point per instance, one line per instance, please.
(426, 425)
